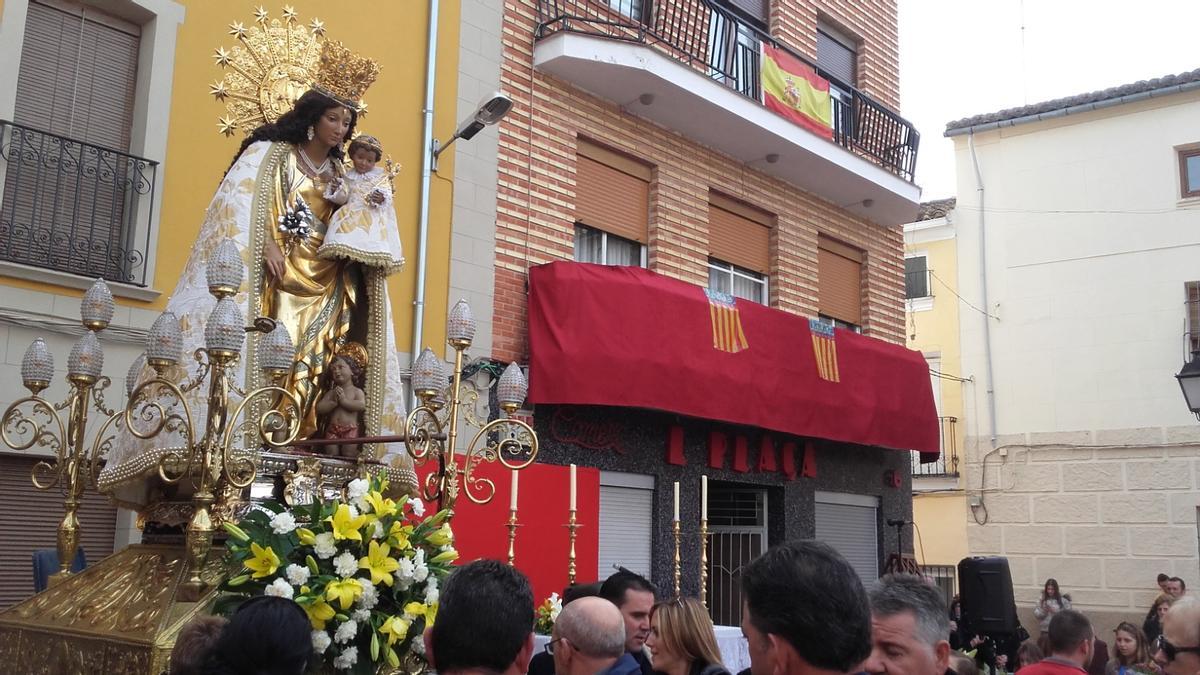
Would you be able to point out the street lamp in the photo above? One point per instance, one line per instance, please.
(1189, 382)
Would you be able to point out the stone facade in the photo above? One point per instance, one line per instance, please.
(1102, 518)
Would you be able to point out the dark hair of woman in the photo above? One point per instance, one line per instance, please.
(292, 127)
(266, 636)
(1051, 583)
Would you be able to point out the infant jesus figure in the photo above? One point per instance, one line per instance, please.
(340, 408)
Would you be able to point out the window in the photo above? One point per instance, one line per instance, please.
(737, 281)
(839, 282)
(837, 323)
(1192, 289)
(739, 248)
(837, 54)
(612, 206)
(1189, 172)
(634, 9)
(916, 277)
(733, 53)
(602, 248)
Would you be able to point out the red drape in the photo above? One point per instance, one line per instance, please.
(626, 336)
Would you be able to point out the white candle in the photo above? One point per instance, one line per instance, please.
(512, 503)
(677, 501)
(703, 497)
(572, 487)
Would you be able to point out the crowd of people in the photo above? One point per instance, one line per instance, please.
(804, 612)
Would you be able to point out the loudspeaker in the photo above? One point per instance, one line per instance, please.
(986, 593)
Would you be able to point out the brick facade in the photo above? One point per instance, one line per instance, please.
(535, 203)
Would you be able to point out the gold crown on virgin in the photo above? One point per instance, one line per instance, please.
(343, 75)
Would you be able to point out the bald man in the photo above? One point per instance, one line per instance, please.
(589, 639)
(1178, 648)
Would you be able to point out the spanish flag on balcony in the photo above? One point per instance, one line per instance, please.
(793, 89)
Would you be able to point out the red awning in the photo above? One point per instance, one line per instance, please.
(625, 336)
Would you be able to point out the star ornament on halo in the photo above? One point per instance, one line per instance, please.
(222, 56)
(227, 126)
(261, 15)
(218, 90)
(317, 27)
(289, 14)
(237, 30)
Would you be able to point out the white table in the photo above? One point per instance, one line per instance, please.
(734, 651)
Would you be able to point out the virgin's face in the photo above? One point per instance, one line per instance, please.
(665, 661)
(333, 125)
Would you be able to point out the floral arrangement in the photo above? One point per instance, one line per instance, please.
(297, 221)
(365, 569)
(547, 614)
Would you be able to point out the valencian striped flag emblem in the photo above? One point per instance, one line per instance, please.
(727, 332)
(824, 349)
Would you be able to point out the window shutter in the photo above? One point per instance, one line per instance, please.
(612, 192)
(853, 532)
(739, 234)
(836, 56)
(82, 93)
(1193, 314)
(29, 522)
(625, 529)
(755, 9)
(839, 280)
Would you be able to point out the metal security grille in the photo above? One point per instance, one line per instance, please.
(737, 519)
(942, 577)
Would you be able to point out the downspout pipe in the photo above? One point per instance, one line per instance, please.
(426, 180)
(983, 286)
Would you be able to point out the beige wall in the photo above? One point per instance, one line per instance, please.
(1091, 477)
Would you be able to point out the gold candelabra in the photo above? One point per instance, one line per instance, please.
(505, 439)
(35, 421)
(678, 570)
(572, 525)
(512, 526)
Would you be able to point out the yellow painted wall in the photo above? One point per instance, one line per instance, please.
(394, 34)
(942, 519)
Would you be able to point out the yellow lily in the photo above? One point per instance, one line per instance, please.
(346, 526)
(395, 628)
(430, 614)
(399, 535)
(318, 613)
(414, 609)
(379, 563)
(264, 563)
(449, 555)
(344, 591)
(307, 537)
(380, 505)
(442, 536)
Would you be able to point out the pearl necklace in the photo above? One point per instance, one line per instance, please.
(316, 170)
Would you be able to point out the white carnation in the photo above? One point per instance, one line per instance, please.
(347, 658)
(357, 488)
(418, 507)
(325, 546)
(370, 595)
(320, 640)
(346, 632)
(420, 571)
(283, 523)
(345, 564)
(377, 530)
(362, 615)
(418, 646)
(431, 591)
(279, 588)
(404, 574)
(298, 574)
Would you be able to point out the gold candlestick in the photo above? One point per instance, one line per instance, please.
(675, 531)
(572, 525)
(512, 535)
(704, 562)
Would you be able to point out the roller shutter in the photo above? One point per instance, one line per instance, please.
(839, 280)
(612, 192)
(739, 234)
(625, 524)
(852, 529)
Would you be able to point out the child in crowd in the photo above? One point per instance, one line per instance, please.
(364, 229)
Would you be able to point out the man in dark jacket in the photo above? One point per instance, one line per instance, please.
(633, 594)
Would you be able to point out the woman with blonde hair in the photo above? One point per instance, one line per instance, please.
(681, 639)
(1130, 653)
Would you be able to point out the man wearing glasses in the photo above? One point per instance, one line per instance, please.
(589, 639)
(1177, 650)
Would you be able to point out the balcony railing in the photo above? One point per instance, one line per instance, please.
(946, 465)
(74, 207)
(716, 41)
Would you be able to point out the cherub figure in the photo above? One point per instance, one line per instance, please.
(340, 408)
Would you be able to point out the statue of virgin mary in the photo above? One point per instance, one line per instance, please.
(272, 204)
